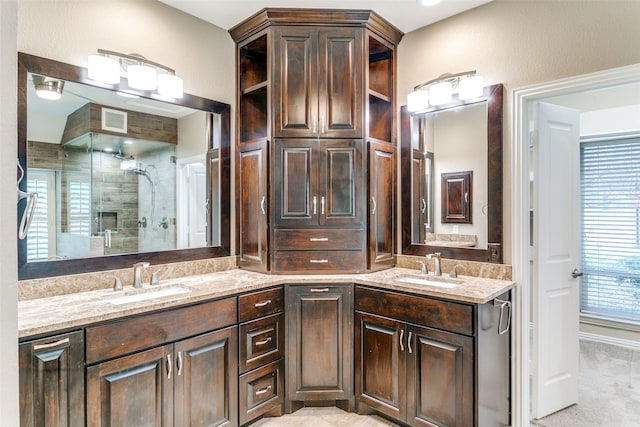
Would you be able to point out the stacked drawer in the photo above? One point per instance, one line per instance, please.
(318, 250)
(261, 363)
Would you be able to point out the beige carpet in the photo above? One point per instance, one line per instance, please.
(609, 390)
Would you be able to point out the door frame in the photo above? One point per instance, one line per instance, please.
(181, 195)
(522, 102)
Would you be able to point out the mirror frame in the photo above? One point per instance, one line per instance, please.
(493, 96)
(32, 270)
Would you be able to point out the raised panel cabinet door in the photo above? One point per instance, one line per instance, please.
(341, 178)
(296, 82)
(380, 349)
(252, 205)
(135, 390)
(296, 198)
(382, 196)
(440, 380)
(340, 83)
(206, 379)
(319, 342)
(52, 381)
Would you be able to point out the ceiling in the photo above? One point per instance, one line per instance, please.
(406, 15)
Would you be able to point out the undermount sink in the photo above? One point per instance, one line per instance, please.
(437, 281)
(147, 294)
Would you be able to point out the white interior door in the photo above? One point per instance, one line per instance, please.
(197, 191)
(556, 252)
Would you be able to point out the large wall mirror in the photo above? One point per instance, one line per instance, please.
(451, 171)
(120, 176)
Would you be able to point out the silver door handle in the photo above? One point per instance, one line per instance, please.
(319, 290)
(51, 344)
(373, 202)
(263, 390)
(424, 205)
(264, 341)
(315, 205)
(318, 239)
(322, 205)
(401, 338)
(179, 363)
(169, 366)
(264, 212)
(262, 304)
(318, 261)
(505, 306)
(409, 342)
(575, 273)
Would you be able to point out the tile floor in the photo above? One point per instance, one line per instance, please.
(324, 417)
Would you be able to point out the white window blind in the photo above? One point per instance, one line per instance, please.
(41, 236)
(610, 207)
(79, 205)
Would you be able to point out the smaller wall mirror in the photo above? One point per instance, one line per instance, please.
(462, 144)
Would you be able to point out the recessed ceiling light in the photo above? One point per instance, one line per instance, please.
(128, 142)
(428, 2)
(108, 149)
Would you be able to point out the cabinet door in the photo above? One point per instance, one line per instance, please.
(206, 379)
(135, 390)
(252, 205)
(52, 381)
(341, 176)
(296, 198)
(319, 342)
(296, 82)
(382, 197)
(340, 83)
(440, 379)
(380, 349)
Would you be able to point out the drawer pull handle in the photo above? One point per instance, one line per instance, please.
(169, 366)
(409, 342)
(318, 261)
(51, 344)
(263, 390)
(179, 363)
(401, 338)
(319, 290)
(264, 341)
(262, 304)
(319, 239)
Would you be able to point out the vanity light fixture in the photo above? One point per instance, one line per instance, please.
(438, 91)
(141, 73)
(48, 88)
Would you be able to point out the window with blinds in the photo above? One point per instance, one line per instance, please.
(41, 234)
(79, 205)
(610, 207)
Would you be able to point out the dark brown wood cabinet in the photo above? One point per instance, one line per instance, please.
(427, 362)
(382, 201)
(176, 367)
(261, 357)
(52, 381)
(316, 86)
(319, 344)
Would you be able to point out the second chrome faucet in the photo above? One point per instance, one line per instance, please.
(137, 273)
(436, 263)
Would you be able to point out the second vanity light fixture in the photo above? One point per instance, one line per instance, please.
(438, 91)
(141, 73)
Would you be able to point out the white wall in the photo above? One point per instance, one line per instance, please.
(520, 43)
(8, 217)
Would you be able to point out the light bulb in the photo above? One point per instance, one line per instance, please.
(104, 69)
(417, 100)
(471, 87)
(440, 93)
(170, 85)
(142, 77)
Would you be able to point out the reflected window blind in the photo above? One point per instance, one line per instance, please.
(38, 234)
(80, 207)
(610, 207)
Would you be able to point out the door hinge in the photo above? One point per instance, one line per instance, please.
(533, 139)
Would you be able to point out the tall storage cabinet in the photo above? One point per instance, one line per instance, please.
(316, 102)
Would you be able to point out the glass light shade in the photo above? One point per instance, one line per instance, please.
(417, 100)
(47, 88)
(127, 164)
(471, 87)
(142, 77)
(440, 93)
(104, 69)
(170, 85)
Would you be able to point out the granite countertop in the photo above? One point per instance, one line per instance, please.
(50, 314)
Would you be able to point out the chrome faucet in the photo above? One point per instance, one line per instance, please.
(137, 273)
(423, 267)
(436, 263)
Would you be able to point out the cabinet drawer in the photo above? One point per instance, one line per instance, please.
(424, 311)
(319, 261)
(261, 391)
(261, 342)
(134, 334)
(319, 239)
(260, 304)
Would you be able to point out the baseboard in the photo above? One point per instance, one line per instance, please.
(634, 345)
